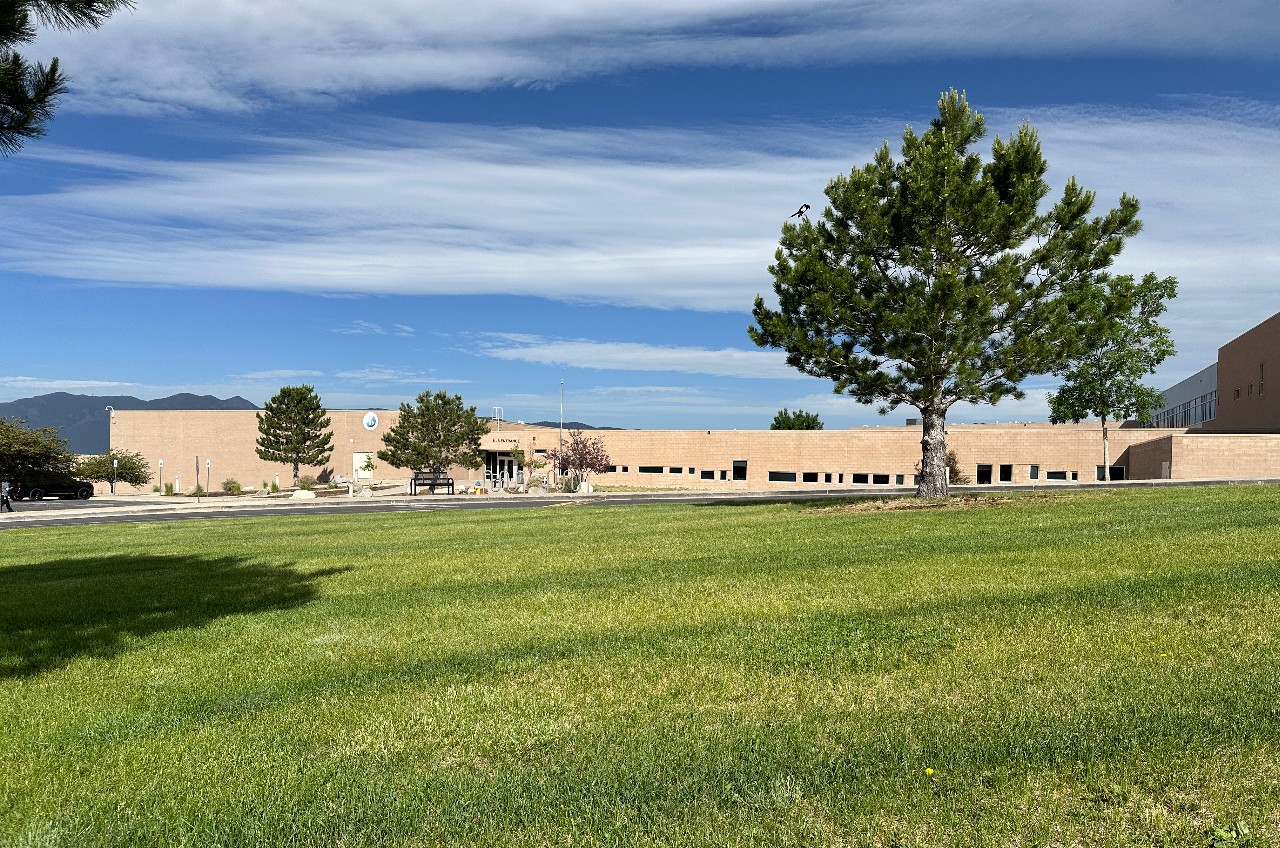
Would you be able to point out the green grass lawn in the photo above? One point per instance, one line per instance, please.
(1080, 669)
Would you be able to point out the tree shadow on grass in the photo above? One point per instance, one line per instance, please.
(54, 612)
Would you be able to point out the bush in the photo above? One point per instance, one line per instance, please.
(168, 488)
(306, 481)
(155, 489)
(197, 491)
(231, 486)
(275, 487)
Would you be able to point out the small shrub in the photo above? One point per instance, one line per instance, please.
(156, 488)
(168, 488)
(306, 481)
(197, 491)
(231, 486)
(275, 487)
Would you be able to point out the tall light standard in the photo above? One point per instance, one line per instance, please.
(161, 464)
(115, 464)
(560, 450)
(208, 469)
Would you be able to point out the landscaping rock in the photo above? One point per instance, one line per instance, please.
(303, 495)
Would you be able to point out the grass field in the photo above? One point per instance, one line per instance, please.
(1079, 669)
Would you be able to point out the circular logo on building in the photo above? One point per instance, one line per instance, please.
(370, 420)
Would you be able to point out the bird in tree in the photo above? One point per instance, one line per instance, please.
(293, 429)
(937, 278)
(29, 92)
(1125, 343)
(799, 213)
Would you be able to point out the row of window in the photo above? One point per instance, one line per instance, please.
(982, 477)
(738, 471)
(1193, 412)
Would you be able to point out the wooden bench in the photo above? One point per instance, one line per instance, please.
(430, 480)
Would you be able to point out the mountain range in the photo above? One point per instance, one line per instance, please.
(83, 420)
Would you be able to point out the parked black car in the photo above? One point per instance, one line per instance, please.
(58, 488)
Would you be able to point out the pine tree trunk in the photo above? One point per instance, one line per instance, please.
(933, 462)
(1106, 452)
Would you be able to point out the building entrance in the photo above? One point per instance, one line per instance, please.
(499, 469)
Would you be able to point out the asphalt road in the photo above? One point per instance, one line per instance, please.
(139, 508)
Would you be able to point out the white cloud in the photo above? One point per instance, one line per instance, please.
(631, 356)
(281, 374)
(21, 386)
(655, 218)
(361, 328)
(246, 54)
(381, 375)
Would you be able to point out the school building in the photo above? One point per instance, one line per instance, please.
(1219, 423)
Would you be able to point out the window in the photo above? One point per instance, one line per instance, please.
(740, 469)
(708, 474)
(650, 469)
(1237, 393)
(1117, 472)
(859, 478)
(880, 479)
(826, 478)
(984, 475)
(1033, 473)
(782, 476)
(898, 480)
(724, 475)
(1250, 392)
(625, 469)
(1056, 475)
(675, 469)
(810, 477)
(1006, 474)
(1075, 475)
(693, 471)
(1261, 377)
(1100, 472)
(841, 478)
(613, 469)
(540, 452)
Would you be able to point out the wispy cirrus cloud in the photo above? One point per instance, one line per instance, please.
(241, 55)
(633, 356)
(18, 384)
(281, 374)
(383, 375)
(656, 218)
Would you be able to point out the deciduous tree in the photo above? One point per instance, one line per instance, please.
(937, 279)
(580, 456)
(798, 420)
(31, 454)
(1125, 344)
(293, 429)
(435, 433)
(29, 92)
(131, 468)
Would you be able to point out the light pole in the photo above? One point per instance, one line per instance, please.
(161, 464)
(208, 469)
(115, 464)
(560, 449)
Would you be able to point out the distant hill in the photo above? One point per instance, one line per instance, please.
(572, 425)
(82, 419)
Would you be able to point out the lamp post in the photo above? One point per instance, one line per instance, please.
(161, 464)
(115, 464)
(208, 469)
(560, 450)
(197, 478)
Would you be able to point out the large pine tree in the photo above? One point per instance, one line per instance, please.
(937, 279)
(435, 433)
(292, 428)
(29, 92)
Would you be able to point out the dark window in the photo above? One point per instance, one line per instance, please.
(693, 471)
(1098, 470)
(1117, 472)
(650, 469)
(1261, 377)
(1075, 475)
(739, 469)
(1006, 474)
(675, 469)
(1033, 473)
(811, 477)
(782, 476)
(859, 478)
(1056, 475)
(540, 452)
(826, 478)
(724, 475)
(984, 475)
(898, 480)
(625, 469)
(708, 474)
(880, 479)
(841, 478)
(1250, 389)
(1237, 393)
(613, 469)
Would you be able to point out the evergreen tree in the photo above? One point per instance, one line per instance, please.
(434, 434)
(29, 92)
(936, 279)
(798, 420)
(1125, 344)
(293, 429)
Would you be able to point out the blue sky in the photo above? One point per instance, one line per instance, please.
(492, 197)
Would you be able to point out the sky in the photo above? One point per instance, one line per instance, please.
(507, 199)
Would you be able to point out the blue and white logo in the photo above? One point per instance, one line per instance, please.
(371, 420)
